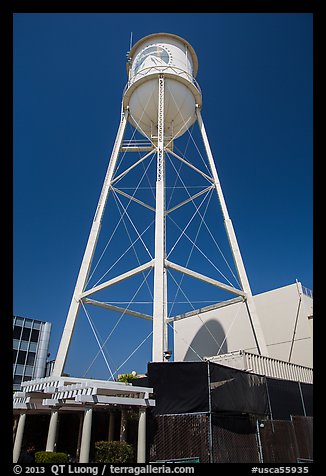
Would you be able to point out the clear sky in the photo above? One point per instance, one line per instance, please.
(255, 73)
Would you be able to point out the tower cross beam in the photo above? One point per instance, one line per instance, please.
(117, 279)
(134, 199)
(118, 309)
(205, 309)
(202, 277)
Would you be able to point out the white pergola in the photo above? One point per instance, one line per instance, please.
(61, 394)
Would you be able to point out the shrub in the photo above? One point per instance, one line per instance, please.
(50, 457)
(113, 452)
(127, 378)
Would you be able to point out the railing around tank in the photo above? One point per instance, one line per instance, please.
(162, 69)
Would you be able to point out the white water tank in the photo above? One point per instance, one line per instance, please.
(171, 56)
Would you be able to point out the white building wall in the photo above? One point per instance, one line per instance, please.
(214, 332)
(285, 318)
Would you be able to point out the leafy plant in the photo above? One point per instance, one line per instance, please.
(113, 452)
(127, 378)
(50, 457)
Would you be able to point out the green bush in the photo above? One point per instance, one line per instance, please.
(113, 452)
(50, 457)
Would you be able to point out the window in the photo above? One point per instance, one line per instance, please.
(32, 346)
(15, 344)
(28, 371)
(26, 333)
(23, 345)
(19, 369)
(17, 379)
(14, 356)
(19, 321)
(30, 358)
(21, 357)
(34, 335)
(17, 332)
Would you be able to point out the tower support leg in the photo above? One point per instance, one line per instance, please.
(88, 255)
(159, 305)
(253, 316)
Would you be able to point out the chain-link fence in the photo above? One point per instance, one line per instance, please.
(229, 438)
(303, 428)
(234, 440)
(278, 442)
(183, 436)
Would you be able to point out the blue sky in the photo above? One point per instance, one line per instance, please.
(255, 73)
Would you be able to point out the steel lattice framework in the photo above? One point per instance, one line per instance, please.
(159, 144)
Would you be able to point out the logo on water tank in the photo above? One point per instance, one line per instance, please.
(151, 56)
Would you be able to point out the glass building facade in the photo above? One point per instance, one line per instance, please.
(30, 349)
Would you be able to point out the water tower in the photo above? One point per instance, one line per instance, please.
(161, 100)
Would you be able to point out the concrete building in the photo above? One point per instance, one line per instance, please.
(30, 349)
(286, 316)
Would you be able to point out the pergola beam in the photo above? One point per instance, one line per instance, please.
(102, 399)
